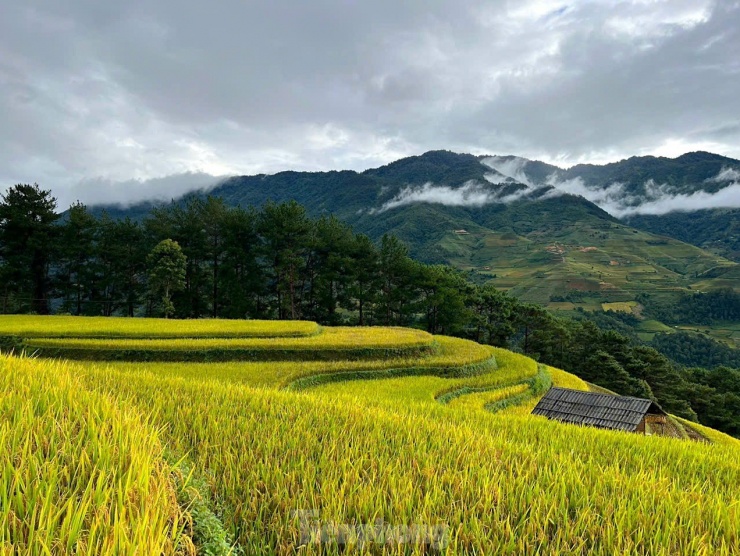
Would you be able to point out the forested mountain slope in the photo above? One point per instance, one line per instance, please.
(532, 228)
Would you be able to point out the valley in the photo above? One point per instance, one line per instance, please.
(537, 231)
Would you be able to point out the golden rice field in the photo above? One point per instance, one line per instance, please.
(329, 343)
(292, 464)
(328, 339)
(453, 354)
(80, 472)
(35, 326)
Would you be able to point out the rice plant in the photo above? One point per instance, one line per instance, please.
(77, 473)
(331, 343)
(99, 454)
(502, 484)
(35, 326)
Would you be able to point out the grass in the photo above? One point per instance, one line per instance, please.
(36, 326)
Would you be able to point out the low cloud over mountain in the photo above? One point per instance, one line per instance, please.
(103, 191)
(507, 179)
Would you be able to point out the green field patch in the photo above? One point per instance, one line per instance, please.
(654, 326)
(620, 306)
(561, 305)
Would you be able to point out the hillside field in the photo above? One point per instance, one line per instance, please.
(246, 437)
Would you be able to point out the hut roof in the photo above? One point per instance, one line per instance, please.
(595, 409)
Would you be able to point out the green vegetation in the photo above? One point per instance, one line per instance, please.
(696, 350)
(278, 262)
(167, 275)
(714, 230)
(703, 308)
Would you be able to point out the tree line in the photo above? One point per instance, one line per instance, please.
(700, 308)
(202, 258)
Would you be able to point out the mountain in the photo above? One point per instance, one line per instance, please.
(547, 234)
(716, 230)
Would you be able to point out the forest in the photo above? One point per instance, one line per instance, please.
(203, 258)
(702, 308)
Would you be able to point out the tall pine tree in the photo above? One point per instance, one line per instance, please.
(27, 241)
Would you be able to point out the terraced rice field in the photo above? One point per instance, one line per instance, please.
(329, 343)
(33, 326)
(294, 456)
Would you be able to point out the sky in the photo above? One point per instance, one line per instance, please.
(122, 101)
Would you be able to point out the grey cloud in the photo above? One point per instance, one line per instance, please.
(116, 91)
(101, 191)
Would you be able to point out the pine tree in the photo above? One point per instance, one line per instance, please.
(27, 243)
(166, 272)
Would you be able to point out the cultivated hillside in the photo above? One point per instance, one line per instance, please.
(299, 437)
(716, 230)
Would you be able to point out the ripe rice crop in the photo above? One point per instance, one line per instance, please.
(330, 338)
(478, 400)
(502, 484)
(36, 326)
(331, 343)
(713, 435)
(566, 380)
(77, 474)
(452, 353)
(510, 368)
(513, 368)
(360, 451)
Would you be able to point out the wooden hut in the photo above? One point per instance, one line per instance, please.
(603, 410)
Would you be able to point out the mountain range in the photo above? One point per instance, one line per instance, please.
(589, 236)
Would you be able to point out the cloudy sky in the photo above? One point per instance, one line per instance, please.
(98, 98)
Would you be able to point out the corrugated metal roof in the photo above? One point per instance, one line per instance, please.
(595, 409)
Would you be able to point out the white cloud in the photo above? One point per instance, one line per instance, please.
(508, 167)
(657, 198)
(726, 174)
(729, 197)
(470, 194)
